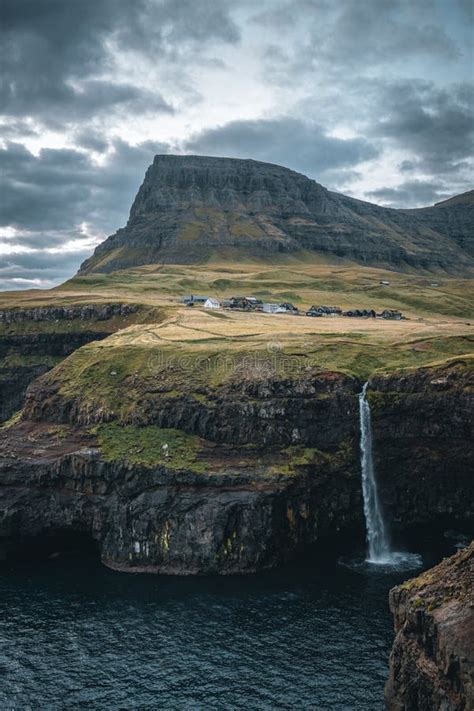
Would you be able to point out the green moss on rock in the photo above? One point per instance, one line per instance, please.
(14, 420)
(149, 446)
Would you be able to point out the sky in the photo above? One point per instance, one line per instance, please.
(372, 98)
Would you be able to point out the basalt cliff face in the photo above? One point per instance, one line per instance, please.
(275, 468)
(191, 209)
(422, 434)
(34, 340)
(432, 660)
(24, 357)
(248, 502)
(238, 519)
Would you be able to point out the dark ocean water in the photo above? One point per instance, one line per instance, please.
(75, 635)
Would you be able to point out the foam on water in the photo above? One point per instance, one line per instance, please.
(396, 562)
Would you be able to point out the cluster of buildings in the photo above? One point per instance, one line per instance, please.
(251, 303)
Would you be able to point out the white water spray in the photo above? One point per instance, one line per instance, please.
(379, 551)
(378, 542)
(377, 538)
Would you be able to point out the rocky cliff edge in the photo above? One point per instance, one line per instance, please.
(432, 660)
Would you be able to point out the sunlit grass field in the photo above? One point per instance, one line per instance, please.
(303, 282)
(438, 308)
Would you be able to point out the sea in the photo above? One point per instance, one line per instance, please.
(315, 634)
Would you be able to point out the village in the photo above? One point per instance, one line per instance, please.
(252, 304)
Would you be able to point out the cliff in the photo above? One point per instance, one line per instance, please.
(423, 425)
(233, 435)
(226, 510)
(192, 209)
(223, 477)
(432, 660)
(33, 340)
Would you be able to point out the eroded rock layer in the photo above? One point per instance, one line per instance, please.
(423, 429)
(191, 209)
(229, 516)
(34, 340)
(432, 660)
(236, 477)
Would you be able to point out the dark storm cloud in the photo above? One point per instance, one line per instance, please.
(347, 36)
(171, 25)
(41, 267)
(10, 130)
(26, 271)
(352, 51)
(63, 187)
(45, 191)
(358, 62)
(43, 263)
(411, 193)
(59, 104)
(384, 31)
(406, 166)
(435, 124)
(46, 197)
(92, 139)
(53, 54)
(467, 8)
(296, 144)
(44, 44)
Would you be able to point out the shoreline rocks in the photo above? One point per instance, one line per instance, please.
(432, 659)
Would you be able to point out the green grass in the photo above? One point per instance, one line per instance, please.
(126, 376)
(14, 420)
(145, 446)
(15, 360)
(150, 446)
(129, 382)
(298, 456)
(303, 281)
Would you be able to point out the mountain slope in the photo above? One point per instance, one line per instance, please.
(190, 208)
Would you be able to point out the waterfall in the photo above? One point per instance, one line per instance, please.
(377, 539)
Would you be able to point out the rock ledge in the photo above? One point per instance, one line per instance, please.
(432, 659)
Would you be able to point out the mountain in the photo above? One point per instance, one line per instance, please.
(192, 209)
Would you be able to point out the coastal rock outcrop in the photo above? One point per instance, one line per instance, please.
(314, 410)
(236, 477)
(191, 209)
(432, 660)
(34, 340)
(26, 356)
(225, 516)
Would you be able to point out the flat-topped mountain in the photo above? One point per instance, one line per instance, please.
(193, 209)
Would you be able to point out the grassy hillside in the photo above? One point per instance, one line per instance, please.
(165, 354)
(438, 326)
(303, 282)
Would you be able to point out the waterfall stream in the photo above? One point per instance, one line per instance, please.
(378, 542)
(379, 551)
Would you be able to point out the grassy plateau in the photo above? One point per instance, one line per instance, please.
(169, 349)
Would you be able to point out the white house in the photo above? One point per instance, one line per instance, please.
(212, 304)
(271, 308)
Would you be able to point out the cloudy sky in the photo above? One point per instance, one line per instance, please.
(373, 98)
